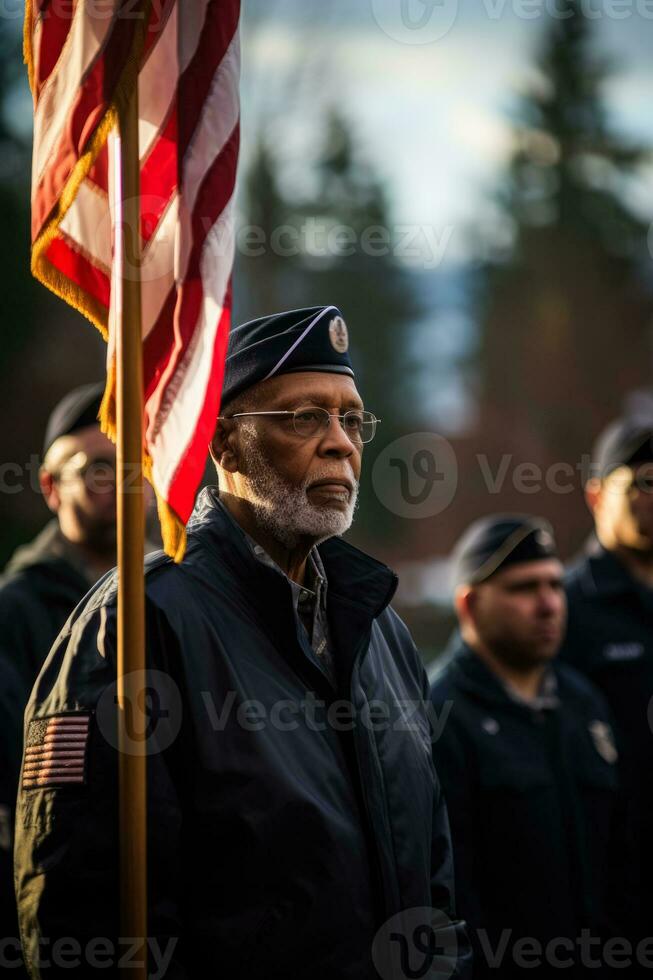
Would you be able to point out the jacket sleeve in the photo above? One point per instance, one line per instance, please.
(67, 840)
(442, 874)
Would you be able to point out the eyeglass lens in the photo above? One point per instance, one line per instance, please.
(360, 426)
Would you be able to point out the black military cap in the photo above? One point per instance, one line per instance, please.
(493, 543)
(76, 410)
(313, 339)
(625, 442)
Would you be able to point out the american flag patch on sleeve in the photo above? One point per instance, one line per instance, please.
(55, 751)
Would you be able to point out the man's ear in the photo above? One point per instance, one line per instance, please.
(49, 489)
(222, 446)
(464, 601)
(593, 489)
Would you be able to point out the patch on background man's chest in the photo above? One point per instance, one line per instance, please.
(619, 652)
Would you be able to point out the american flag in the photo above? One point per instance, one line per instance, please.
(83, 58)
(55, 751)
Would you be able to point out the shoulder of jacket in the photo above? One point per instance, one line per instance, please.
(575, 574)
(445, 688)
(581, 580)
(29, 575)
(442, 686)
(401, 641)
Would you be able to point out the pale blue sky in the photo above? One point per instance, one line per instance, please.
(432, 116)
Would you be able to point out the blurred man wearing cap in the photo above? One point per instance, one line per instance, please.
(294, 809)
(42, 584)
(610, 632)
(44, 581)
(526, 758)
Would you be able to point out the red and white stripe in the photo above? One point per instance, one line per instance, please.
(188, 151)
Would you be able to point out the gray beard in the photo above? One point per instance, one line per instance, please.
(284, 510)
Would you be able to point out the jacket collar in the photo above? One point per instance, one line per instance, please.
(603, 574)
(354, 578)
(473, 676)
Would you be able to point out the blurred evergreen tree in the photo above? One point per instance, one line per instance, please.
(566, 317)
(336, 247)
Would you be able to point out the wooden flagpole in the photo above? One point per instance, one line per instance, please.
(131, 535)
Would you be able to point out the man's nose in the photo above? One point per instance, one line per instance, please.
(335, 441)
(550, 601)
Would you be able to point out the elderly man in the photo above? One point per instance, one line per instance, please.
(527, 762)
(610, 632)
(296, 824)
(45, 580)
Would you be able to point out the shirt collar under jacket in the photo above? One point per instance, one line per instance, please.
(546, 698)
(480, 681)
(360, 587)
(309, 600)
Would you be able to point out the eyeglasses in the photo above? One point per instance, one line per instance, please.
(641, 483)
(308, 422)
(98, 474)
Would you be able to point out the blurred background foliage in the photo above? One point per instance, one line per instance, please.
(548, 334)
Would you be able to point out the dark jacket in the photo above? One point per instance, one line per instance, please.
(10, 752)
(531, 796)
(39, 588)
(278, 844)
(610, 639)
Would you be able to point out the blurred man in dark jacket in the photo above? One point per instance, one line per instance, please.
(44, 581)
(527, 762)
(297, 827)
(610, 634)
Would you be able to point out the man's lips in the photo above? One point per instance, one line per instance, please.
(548, 632)
(333, 484)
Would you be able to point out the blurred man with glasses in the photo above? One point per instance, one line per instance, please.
(44, 580)
(610, 634)
(297, 828)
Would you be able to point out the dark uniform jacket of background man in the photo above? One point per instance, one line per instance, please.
(530, 786)
(610, 636)
(280, 841)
